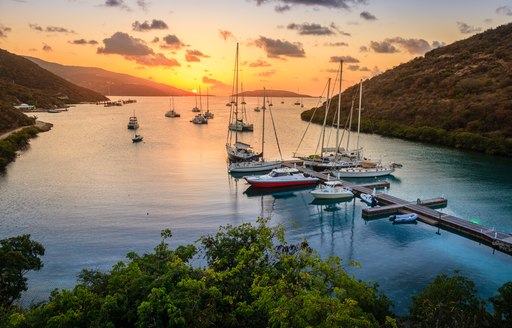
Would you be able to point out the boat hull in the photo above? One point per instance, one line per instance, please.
(244, 167)
(362, 173)
(282, 183)
(331, 195)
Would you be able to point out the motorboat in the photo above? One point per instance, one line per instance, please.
(137, 138)
(199, 119)
(133, 124)
(253, 166)
(404, 218)
(332, 190)
(369, 199)
(281, 178)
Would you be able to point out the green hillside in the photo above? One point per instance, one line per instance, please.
(459, 95)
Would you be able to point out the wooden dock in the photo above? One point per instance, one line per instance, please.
(501, 241)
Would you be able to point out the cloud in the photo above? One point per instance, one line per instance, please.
(142, 4)
(58, 29)
(155, 40)
(504, 10)
(267, 73)
(367, 16)
(466, 29)
(341, 4)
(346, 59)
(259, 63)
(194, 56)
(172, 42)
(333, 26)
(4, 30)
(392, 45)
(50, 29)
(116, 3)
(225, 35)
(154, 60)
(123, 44)
(356, 68)
(413, 46)
(215, 84)
(279, 48)
(135, 50)
(310, 29)
(383, 47)
(282, 9)
(47, 48)
(146, 26)
(83, 41)
(35, 27)
(336, 44)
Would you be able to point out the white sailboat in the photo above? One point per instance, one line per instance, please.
(199, 118)
(257, 165)
(367, 168)
(209, 115)
(330, 155)
(172, 112)
(237, 150)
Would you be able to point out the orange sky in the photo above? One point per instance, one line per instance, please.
(284, 44)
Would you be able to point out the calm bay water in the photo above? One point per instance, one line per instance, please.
(90, 196)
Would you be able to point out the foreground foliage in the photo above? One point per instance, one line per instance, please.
(253, 278)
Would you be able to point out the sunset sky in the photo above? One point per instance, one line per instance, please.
(284, 44)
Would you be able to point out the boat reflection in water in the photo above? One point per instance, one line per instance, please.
(330, 205)
(277, 192)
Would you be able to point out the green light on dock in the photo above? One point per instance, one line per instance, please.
(475, 221)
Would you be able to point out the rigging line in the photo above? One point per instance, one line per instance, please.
(310, 121)
(275, 131)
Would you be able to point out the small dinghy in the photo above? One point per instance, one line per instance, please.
(404, 218)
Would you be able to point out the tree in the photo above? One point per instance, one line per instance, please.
(450, 301)
(18, 255)
(503, 306)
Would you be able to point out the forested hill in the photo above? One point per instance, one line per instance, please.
(459, 95)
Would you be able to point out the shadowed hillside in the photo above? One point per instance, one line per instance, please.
(110, 83)
(22, 81)
(459, 95)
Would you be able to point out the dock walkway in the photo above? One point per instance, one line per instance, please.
(502, 241)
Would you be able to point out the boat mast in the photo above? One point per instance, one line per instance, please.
(339, 113)
(327, 103)
(236, 95)
(359, 116)
(263, 127)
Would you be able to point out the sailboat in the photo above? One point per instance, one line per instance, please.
(172, 112)
(367, 168)
(236, 149)
(209, 115)
(240, 124)
(257, 165)
(196, 109)
(199, 118)
(333, 156)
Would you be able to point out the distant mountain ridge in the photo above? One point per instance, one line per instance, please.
(109, 83)
(459, 95)
(273, 93)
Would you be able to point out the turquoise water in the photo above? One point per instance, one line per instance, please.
(90, 196)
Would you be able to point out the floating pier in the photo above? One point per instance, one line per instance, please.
(501, 241)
